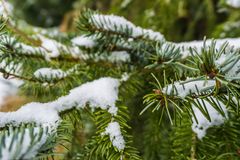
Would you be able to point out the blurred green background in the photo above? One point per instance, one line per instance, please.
(178, 20)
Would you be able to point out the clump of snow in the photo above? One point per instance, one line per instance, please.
(115, 23)
(119, 56)
(34, 112)
(49, 73)
(76, 52)
(101, 93)
(114, 132)
(83, 41)
(233, 3)
(125, 76)
(113, 110)
(120, 24)
(202, 124)
(30, 49)
(183, 89)
(26, 143)
(52, 46)
(153, 35)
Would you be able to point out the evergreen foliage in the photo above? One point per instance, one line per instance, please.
(114, 90)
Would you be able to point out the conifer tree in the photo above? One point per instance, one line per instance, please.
(117, 91)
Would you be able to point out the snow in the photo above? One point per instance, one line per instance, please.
(19, 46)
(83, 41)
(8, 88)
(115, 23)
(22, 143)
(119, 56)
(234, 43)
(153, 35)
(6, 39)
(113, 110)
(233, 3)
(101, 93)
(221, 60)
(128, 43)
(203, 124)
(49, 73)
(183, 89)
(49, 48)
(30, 49)
(76, 52)
(114, 132)
(113, 57)
(11, 67)
(229, 65)
(34, 112)
(5, 8)
(125, 76)
(120, 24)
(233, 72)
(52, 46)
